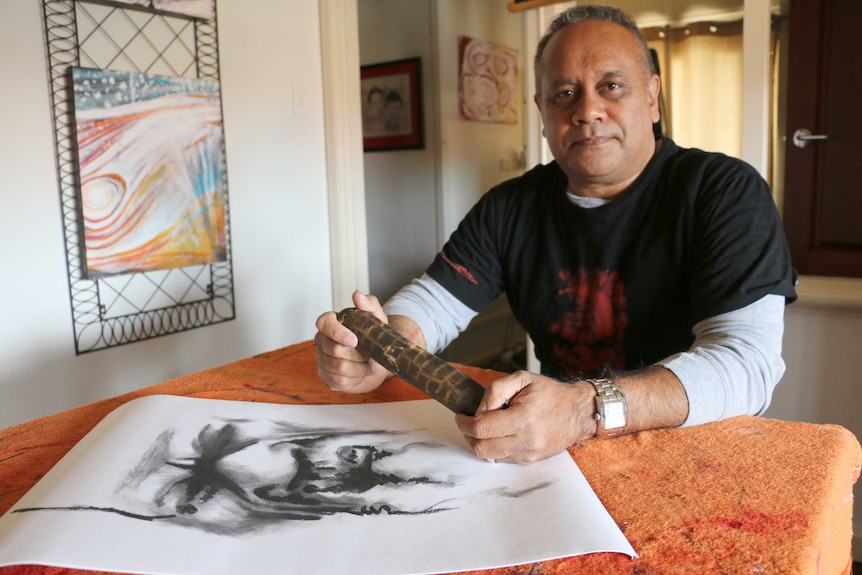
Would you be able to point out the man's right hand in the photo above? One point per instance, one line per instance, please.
(339, 363)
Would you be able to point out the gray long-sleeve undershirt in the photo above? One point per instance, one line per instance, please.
(731, 368)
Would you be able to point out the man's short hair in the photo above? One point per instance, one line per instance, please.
(590, 12)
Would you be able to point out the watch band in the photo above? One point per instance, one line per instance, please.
(611, 408)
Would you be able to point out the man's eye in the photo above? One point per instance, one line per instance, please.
(614, 90)
(564, 94)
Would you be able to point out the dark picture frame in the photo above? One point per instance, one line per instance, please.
(392, 105)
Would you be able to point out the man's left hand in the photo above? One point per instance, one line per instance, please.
(525, 417)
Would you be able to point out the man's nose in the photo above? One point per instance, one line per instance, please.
(589, 108)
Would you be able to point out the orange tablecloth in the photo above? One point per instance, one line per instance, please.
(747, 495)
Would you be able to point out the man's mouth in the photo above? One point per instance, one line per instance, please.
(592, 141)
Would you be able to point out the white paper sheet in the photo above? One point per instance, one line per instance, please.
(174, 485)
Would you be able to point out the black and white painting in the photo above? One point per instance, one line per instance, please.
(179, 485)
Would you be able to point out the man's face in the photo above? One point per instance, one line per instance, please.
(598, 105)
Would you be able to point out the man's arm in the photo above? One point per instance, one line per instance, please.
(731, 369)
(439, 315)
(526, 417)
(735, 362)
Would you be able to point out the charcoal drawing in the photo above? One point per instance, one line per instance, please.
(242, 476)
(168, 484)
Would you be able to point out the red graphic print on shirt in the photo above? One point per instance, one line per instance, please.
(591, 335)
(460, 269)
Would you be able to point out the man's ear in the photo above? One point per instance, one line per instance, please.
(653, 89)
(538, 103)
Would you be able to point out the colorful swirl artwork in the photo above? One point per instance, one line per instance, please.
(151, 171)
(488, 82)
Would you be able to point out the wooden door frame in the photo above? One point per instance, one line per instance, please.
(345, 170)
(757, 18)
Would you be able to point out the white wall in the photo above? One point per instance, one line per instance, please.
(277, 183)
(471, 152)
(824, 372)
(415, 198)
(475, 156)
(401, 185)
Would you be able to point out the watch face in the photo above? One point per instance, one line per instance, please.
(615, 414)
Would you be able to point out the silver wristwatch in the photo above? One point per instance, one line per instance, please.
(611, 408)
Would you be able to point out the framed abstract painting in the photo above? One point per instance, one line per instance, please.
(141, 167)
(149, 151)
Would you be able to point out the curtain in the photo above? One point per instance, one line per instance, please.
(701, 68)
(778, 111)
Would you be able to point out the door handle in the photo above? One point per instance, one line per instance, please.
(802, 137)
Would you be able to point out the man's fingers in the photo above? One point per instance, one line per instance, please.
(329, 348)
(328, 325)
(339, 364)
(491, 424)
(500, 393)
(538, 422)
(353, 373)
(510, 449)
(342, 379)
(370, 303)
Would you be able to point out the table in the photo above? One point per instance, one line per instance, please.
(746, 495)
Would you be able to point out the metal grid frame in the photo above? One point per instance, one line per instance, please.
(108, 312)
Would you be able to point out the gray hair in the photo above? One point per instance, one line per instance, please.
(590, 12)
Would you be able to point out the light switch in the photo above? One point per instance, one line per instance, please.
(300, 99)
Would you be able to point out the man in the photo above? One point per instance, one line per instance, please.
(662, 269)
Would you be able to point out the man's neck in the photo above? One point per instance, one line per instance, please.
(605, 190)
(585, 202)
(598, 191)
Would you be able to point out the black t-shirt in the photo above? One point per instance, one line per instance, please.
(621, 285)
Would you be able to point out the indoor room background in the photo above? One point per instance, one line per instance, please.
(287, 188)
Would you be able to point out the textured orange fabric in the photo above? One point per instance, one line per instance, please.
(747, 495)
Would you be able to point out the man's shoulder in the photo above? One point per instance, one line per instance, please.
(700, 174)
(709, 179)
(698, 161)
(541, 177)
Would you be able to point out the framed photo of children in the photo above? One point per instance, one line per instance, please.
(392, 105)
